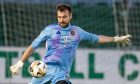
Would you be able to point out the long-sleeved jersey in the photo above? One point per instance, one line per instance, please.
(62, 43)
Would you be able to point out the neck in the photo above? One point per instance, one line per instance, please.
(65, 26)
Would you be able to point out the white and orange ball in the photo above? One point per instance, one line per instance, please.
(38, 69)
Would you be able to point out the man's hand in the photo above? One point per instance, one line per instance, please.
(15, 69)
(123, 40)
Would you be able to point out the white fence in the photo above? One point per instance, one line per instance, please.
(91, 66)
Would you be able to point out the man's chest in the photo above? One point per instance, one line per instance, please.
(65, 36)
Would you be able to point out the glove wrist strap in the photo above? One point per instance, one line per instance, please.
(20, 63)
(115, 39)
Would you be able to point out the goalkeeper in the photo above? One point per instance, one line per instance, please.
(62, 41)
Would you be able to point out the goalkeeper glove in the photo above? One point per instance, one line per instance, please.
(15, 69)
(124, 40)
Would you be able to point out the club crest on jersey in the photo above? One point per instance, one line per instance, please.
(72, 32)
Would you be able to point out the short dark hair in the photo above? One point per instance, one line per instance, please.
(63, 7)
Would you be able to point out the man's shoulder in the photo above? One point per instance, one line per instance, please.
(53, 25)
(74, 26)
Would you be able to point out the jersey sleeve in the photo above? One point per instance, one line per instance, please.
(43, 36)
(88, 36)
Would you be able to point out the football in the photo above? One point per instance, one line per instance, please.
(38, 69)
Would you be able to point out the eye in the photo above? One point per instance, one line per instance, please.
(58, 16)
(65, 16)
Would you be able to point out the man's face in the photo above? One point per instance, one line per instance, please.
(64, 17)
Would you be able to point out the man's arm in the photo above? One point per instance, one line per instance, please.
(15, 69)
(124, 40)
(105, 39)
(43, 36)
(26, 54)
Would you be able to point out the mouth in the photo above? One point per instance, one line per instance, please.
(62, 24)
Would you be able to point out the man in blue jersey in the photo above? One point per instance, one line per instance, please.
(62, 41)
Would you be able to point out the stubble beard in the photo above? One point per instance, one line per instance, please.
(63, 25)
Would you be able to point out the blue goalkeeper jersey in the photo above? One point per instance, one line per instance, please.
(62, 43)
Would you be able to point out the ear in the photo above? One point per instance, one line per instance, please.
(70, 15)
